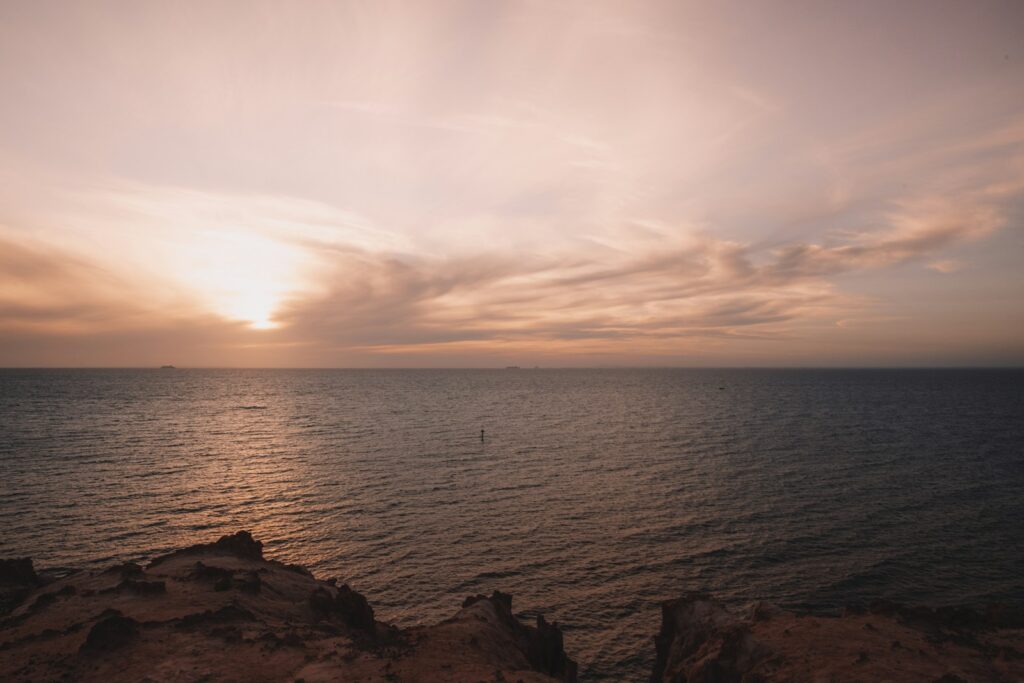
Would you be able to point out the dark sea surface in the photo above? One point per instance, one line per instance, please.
(595, 495)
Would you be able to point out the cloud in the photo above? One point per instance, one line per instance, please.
(330, 282)
(269, 273)
(640, 180)
(945, 266)
(60, 308)
(45, 289)
(627, 293)
(915, 230)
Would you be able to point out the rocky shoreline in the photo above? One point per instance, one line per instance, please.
(701, 640)
(222, 612)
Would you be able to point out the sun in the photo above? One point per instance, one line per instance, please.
(255, 307)
(244, 277)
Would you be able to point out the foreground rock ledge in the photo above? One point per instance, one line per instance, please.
(701, 641)
(219, 611)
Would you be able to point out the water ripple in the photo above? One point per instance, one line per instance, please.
(594, 495)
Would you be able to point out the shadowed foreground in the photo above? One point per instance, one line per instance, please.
(702, 641)
(221, 612)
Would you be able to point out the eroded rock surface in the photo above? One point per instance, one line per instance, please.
(221, 612)
(701, 641)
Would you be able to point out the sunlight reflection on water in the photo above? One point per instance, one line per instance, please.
(596, 494)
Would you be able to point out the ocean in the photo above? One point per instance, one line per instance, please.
(594, 494)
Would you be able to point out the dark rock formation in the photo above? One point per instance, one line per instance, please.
(547, 653)
(219, 611)
(223, 579)
(702, 641)
(345, 604)
(354, 608)
(542, 644)
(110, 633)
(44, 600)
(18, 572)
(240, 544)
(18, 578)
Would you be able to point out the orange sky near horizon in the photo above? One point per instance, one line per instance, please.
(352, 184)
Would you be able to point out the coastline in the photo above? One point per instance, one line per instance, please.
(220, 611)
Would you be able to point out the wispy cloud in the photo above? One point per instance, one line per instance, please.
(330, 280)
(946, 266)
(650, 182)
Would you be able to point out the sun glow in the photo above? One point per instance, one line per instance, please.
(255, 307)
(242, 276)
(607, 183)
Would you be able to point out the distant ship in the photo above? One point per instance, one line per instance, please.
(167, 367)
(511, 367)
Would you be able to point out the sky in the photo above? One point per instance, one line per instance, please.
(532, 182)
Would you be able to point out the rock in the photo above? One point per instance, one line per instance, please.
(354, 608)
(220, 611)
(321, 602)
(343, 603)
(224, 579)
(142, 587)
(110, 633)
(700, 640)
(203, 571)
(44, 600)
(240, 544)
(542, 644)
(126, 570)
(270, 622)
(18, 578)
(18, 572)
(247, 582)
(226, 614)
(546, 651)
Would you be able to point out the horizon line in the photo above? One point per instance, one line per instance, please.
(520, 367)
